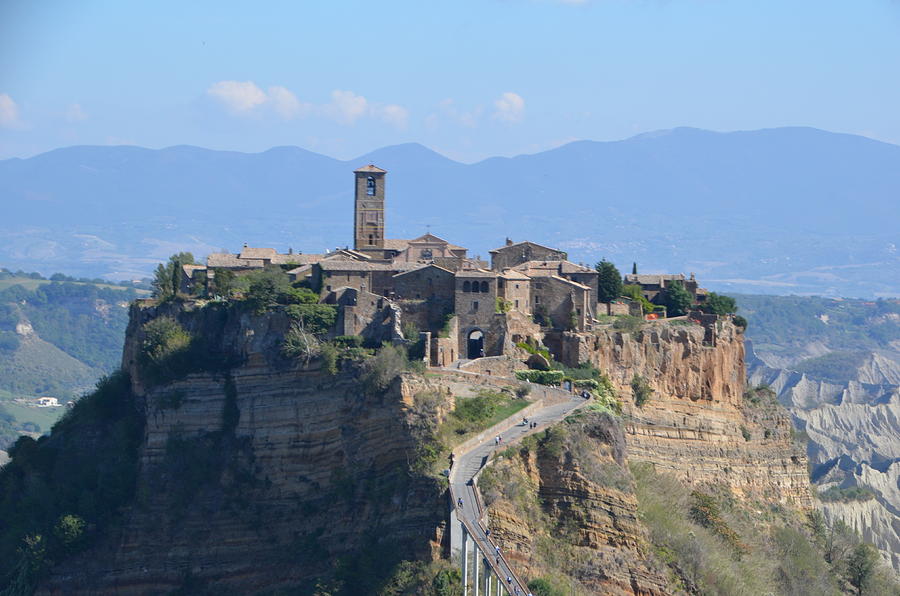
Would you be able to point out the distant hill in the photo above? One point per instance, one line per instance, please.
(56, 339)
(788, 210)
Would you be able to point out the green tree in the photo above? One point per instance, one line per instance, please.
(861, 566)
(167, 276)
(677, 299)
(641, 390)
(719, 304)
(609, 282)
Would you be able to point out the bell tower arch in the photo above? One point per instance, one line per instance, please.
(368, 208)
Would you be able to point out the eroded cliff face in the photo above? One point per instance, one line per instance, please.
(568, 507)
(261, 473)
(697, 424)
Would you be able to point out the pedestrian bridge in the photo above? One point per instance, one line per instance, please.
(485, 569)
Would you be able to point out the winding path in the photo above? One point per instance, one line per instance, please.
(470, 459)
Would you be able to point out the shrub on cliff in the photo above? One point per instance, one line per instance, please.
(641, 390)
(164, 337)
(315, 318)
(386, 365)
(628, 324)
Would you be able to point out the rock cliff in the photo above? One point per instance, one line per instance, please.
(259, 473)
(566, 504)
(697, 422)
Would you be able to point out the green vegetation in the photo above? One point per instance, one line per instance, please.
(542, 377)
(848, 494)
(640, 390)
(628, 324)
(633, 291)
(609, 281)
(781, 324)
(503, 306)
(676, 299)
(473, 414)
(834, 366)
(415, 578)
(719, 304)
(534, 349)
(167, 277)
(62, 491)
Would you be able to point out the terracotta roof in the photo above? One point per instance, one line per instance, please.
(652, 279)
(397, 244)
(300, 269)
(516, 275)
(371, 168)
(514, 244)
(231, 261)
(190, 269)
(570, 282)
(557, 266)
(423, 268)
(476, 273)
(295, 259)
(249, 252)
(364, 266)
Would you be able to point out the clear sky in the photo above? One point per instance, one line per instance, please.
(468, 78)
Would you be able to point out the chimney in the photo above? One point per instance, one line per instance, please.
(509, 242)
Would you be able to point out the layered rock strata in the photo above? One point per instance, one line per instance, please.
(696, 424)
(260, 474)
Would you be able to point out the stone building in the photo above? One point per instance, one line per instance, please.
(516, 253)
(386, 288)
(652, 286)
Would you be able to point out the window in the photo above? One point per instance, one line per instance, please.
(467, 287)
(517, 304)
(517, 286)
(474, 286)
(426, 253)
(371, 239)
(537, 299)
(484, 287)
(474, 305)
(370, 186)
(327, 288)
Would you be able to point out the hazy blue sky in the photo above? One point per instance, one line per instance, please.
(469, 79)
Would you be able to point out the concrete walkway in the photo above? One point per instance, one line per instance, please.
(469, 463)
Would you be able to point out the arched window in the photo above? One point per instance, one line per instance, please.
(467, 287)
(474, 286)
(370, 186)
(484, 287)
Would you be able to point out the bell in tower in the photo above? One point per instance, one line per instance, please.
(368, 209)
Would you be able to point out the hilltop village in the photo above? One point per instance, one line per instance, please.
(464, 307)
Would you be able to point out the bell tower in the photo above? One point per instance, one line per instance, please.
(368, 209)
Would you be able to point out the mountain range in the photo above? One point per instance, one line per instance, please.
(787, 210)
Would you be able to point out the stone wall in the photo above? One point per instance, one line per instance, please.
(309, 469)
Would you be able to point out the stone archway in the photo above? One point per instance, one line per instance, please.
(475, 344)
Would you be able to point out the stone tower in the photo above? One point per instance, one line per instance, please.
(368, 209)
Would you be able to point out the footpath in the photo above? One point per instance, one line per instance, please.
(552, 406)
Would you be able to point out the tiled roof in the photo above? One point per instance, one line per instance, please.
(441, 269)
(652, 279)
(249, 252)
(228, 260)
(570, 282)
(295, 259)
(475, 273)
(558, 266)
(364, 266)
(514, 275)
(371, 168)
(397, 244)
(515, 244)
